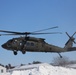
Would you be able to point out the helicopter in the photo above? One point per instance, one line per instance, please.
(27, 43)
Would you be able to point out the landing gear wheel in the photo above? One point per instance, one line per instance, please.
(23, 52)
(15, 52)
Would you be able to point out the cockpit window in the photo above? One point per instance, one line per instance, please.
(15, 40)
(20, 43)
(28, 44)
(8, 45)
(10, 41)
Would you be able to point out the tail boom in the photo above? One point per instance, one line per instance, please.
(72, 49)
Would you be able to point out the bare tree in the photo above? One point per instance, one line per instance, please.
(61, 61)
(36, 62)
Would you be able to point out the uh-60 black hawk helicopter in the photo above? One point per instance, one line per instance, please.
(33, 44)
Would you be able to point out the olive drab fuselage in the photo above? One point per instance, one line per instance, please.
(33, 44)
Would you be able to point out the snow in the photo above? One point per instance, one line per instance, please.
(71, 66)
(43, 69)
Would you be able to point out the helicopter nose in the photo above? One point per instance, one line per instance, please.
(4, 46)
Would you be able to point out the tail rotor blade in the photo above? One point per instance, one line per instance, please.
(68, 35)
(74, 42)
(71, 37)
(73, 34)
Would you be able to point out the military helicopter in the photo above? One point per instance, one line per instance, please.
(27, 43)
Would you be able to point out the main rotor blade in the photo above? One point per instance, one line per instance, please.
(46, 29)
(24, 33)
(8, 31)
(7, 34)
(46, 33)
(28, 33)
(5, 31)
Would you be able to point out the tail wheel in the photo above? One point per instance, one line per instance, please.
(15, 52)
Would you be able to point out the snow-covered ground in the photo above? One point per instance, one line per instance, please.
(43, 69)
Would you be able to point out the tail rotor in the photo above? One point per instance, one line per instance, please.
(71, 37)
